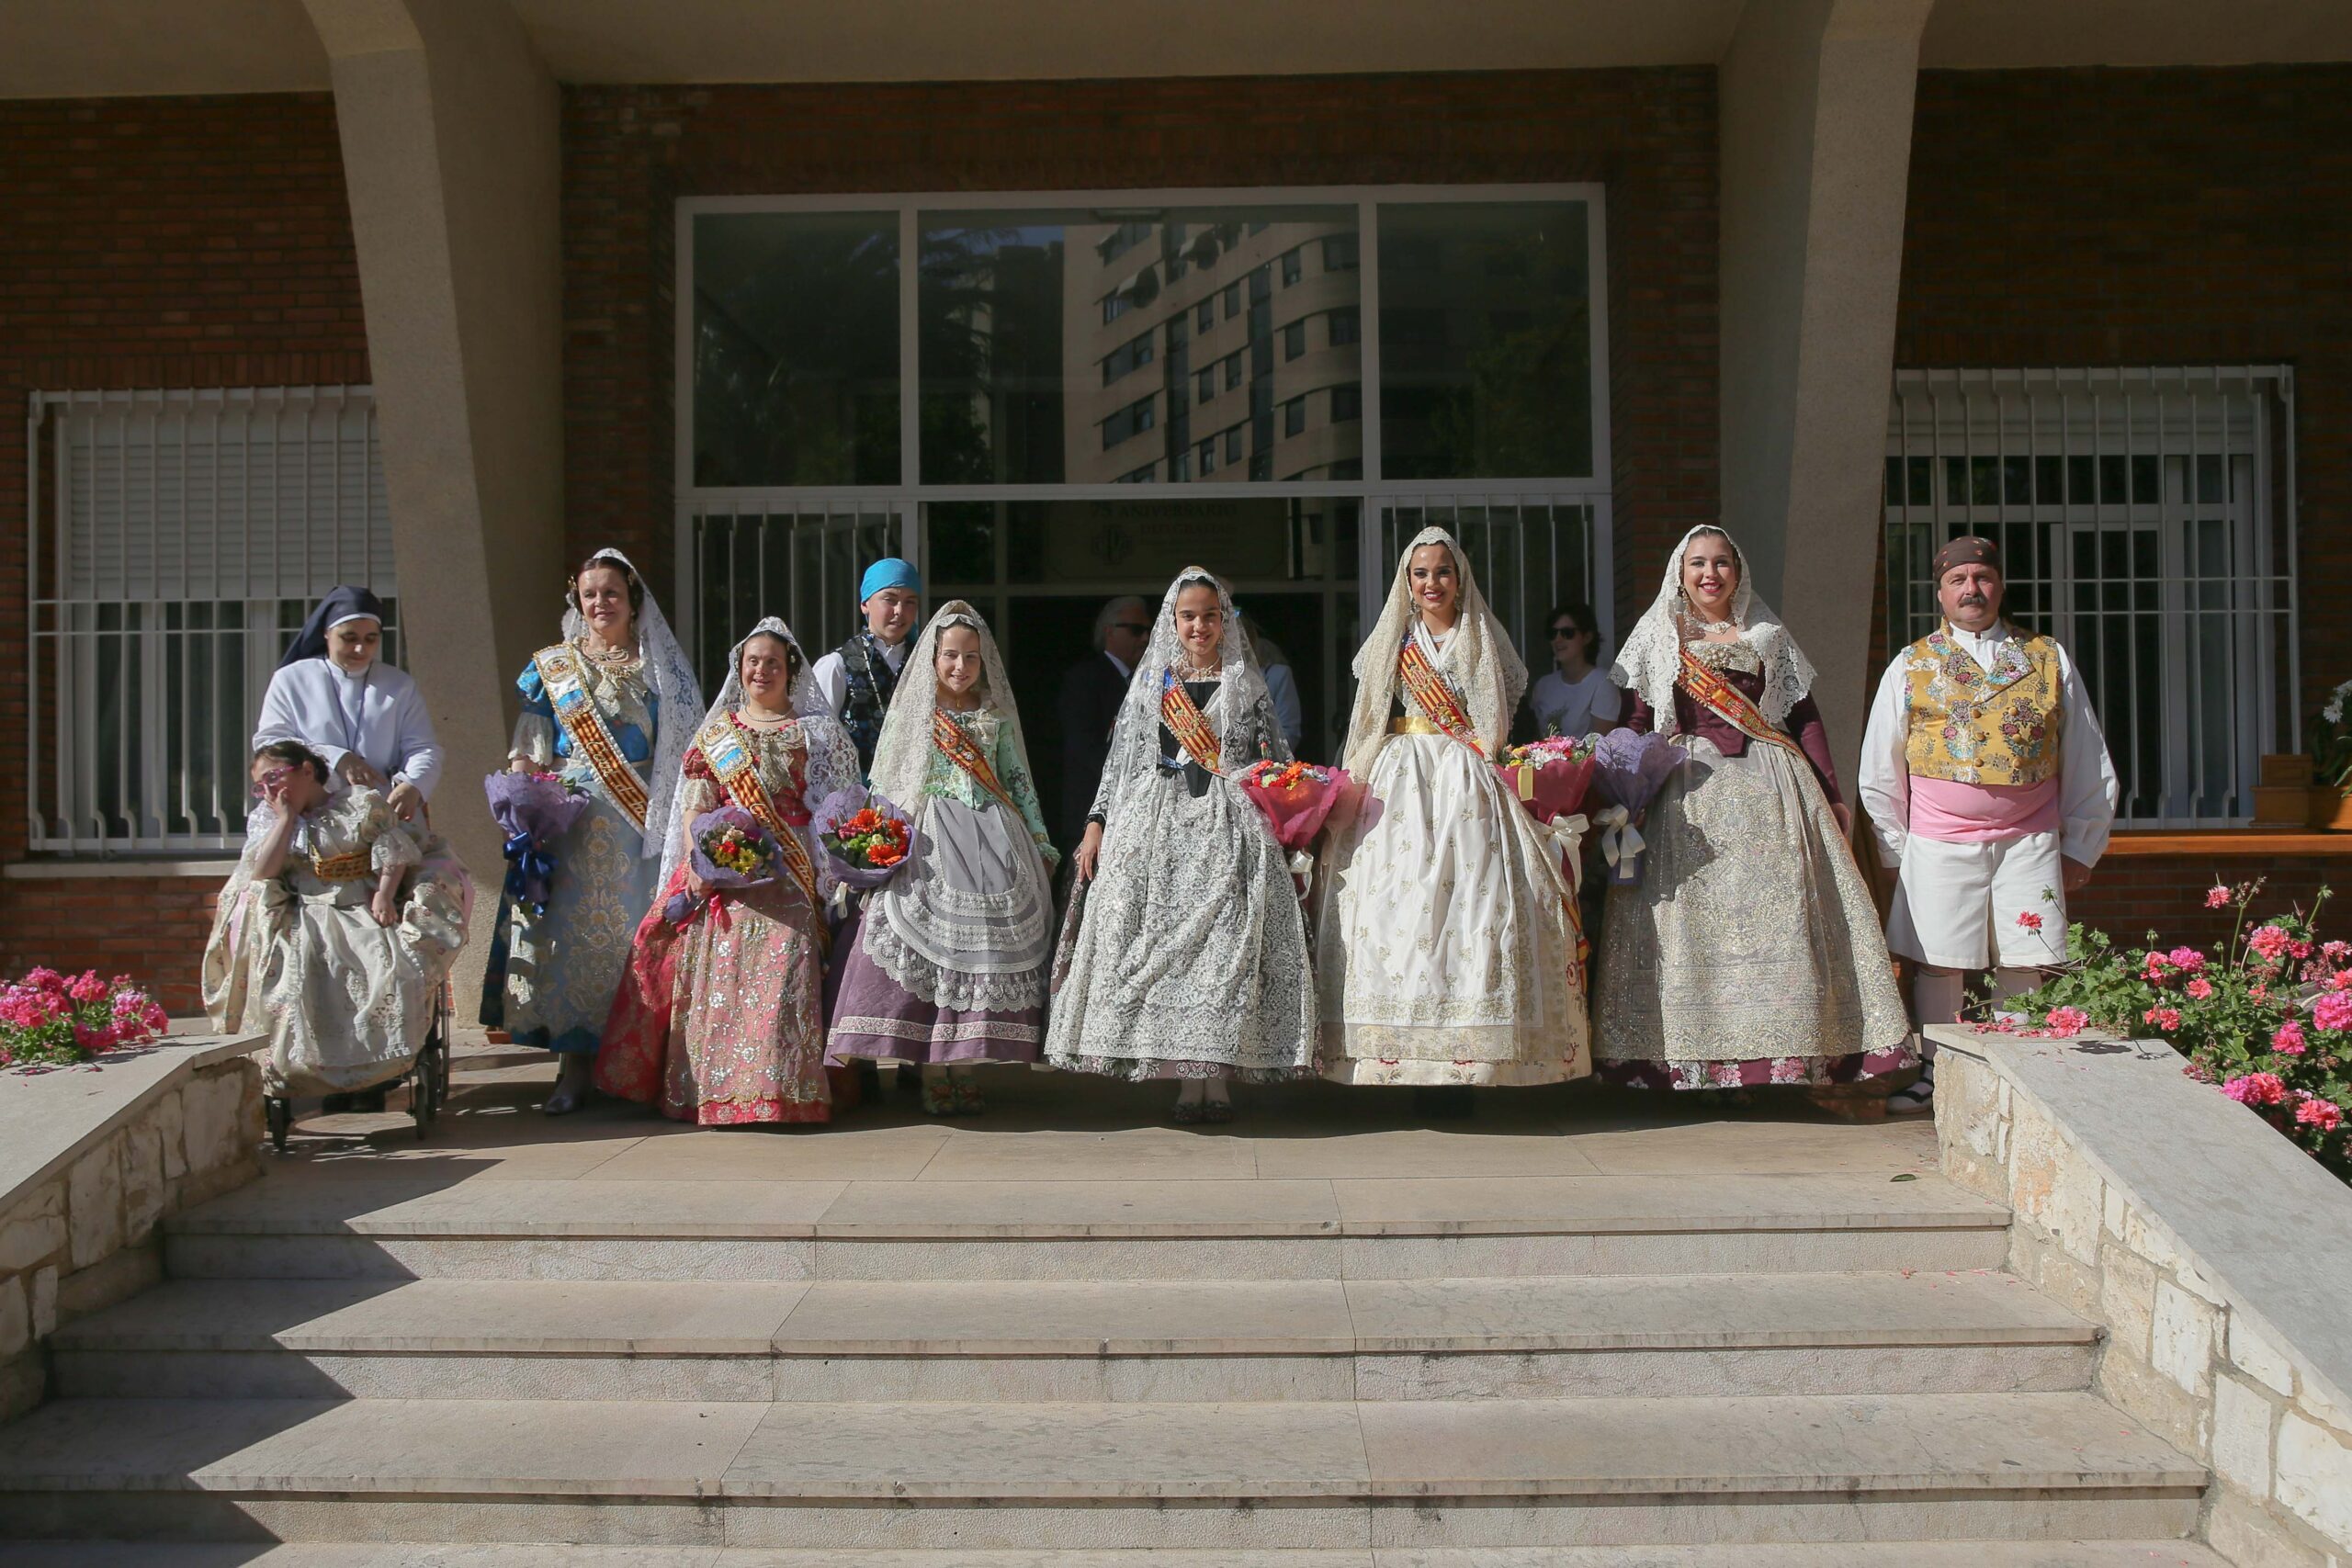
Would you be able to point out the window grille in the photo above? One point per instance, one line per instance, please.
(1529, 552)
(2145, 518)
(798, 557)
(177, 539)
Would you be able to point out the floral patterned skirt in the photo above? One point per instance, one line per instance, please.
(1749, 953)
(551, 976)
(720, 1021)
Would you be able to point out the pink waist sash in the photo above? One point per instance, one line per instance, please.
(1956, 813)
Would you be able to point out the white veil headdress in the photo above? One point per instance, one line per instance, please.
(833, 758)
(1240, 694)
(671, 676)
(902, 755)
(1651, 659)
(1481, 661)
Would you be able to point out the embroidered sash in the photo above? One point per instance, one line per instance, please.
(592, 740)
(950, 738)
(1436, 700)
(1189, 724)
(1708, 686)
(738, 773)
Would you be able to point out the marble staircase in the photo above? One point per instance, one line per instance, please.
(1326, 1339)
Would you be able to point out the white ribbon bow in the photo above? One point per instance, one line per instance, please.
(1566, 835)
(1620, 841)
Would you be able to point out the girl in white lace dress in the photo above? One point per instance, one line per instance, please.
(1444, 946)
(1749, 953)
(949, 964)
(1190, 959)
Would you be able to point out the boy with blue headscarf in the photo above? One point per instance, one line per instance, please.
(858, 677)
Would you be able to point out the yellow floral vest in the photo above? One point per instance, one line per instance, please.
(1972, 725)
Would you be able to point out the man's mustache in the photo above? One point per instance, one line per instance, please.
(1974, 599)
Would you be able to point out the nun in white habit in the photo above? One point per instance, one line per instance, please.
(333, 693)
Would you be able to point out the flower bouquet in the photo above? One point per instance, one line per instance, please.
(49, 1019)
(1629, 770)
(732, 850)
(1552, 776)
(1296, 797)
(531, 810)
(867, 838)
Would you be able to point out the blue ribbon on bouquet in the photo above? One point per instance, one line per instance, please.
(528, 871)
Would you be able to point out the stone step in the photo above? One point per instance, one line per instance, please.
(1033, 1476)
(1123, 1340)
(1877, 1555)
(1401, 1228)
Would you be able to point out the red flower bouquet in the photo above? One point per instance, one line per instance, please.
(732, 851)
(49, 1019)
(1551, 777)
(1296, 797)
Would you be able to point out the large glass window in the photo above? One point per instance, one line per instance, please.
(796, 348)
(1485, 340)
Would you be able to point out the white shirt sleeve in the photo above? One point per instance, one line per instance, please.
(416, 753)
(831, 680)
(1283, 687)
(1883, 779)
(1607, 702)
(2087, 787)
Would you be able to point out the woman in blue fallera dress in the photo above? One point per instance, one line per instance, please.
(610, 708)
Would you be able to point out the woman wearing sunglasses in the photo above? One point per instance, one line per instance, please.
(1575, 697)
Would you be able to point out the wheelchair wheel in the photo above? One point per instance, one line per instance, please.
(280, 1112)
(429, 1078)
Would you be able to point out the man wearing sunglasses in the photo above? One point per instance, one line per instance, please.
(1091, 692)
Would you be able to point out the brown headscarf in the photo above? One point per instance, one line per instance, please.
(1969, 549)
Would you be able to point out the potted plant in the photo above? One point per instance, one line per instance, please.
(2331, 790)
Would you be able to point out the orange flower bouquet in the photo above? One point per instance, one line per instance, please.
(1295, 796)
(867, 838)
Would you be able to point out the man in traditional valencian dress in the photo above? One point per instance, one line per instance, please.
(1989, 785)
(858, 677)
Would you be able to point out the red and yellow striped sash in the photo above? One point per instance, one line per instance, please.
(591, 740)
(1189, 724)
(738, 773)
(1429, 693)
(950, 738)
(1708, 685)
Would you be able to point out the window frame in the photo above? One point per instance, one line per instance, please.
(1367, 200)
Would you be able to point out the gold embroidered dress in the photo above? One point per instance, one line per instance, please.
(347, 1001)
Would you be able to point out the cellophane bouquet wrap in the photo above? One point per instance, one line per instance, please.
(531, 810)
(732, 850)
(1630, 769)
(867, 838)
(1296, 797)
(1551, 777)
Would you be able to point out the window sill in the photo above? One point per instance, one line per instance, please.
(113, 870)
(2233, 842)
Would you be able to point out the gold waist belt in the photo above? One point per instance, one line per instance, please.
(340, 868)
(1413, 723)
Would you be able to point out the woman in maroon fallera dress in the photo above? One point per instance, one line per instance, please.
(1750, 951)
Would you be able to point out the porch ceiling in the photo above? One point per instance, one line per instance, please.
(97, 48)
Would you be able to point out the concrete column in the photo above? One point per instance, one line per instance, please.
(1817, 98)
(451, 149)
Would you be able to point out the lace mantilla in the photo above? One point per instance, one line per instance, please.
(1651, 660)
(1477, 660)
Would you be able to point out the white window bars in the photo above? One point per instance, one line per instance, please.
(796, 556)
(2146, 518)
(1531, 551)
(175, 539)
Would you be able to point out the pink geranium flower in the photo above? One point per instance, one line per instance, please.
(2255, 1088)
(2316, 1112)
(2067, 1021)
(2029, 920)
(2201, 988)
(2332, 1010)
(2217, 896)
(2271, 941)
(2287, 1039)
(2163, 1018)
(2188, 960)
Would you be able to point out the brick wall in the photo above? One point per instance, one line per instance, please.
(152, 242)
(2154, 217)
(1648, 136)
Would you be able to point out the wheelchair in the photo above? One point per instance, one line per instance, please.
(427, 1077)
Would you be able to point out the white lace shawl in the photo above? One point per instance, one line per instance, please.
(1651, 659)
(833, 758)
(902, 756)
(1480, 663)
(671, 676)
(1241, 712)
